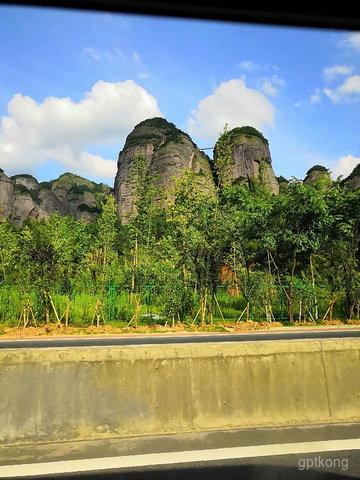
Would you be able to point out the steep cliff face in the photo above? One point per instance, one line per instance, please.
(168, 150)
(22, 196)
(6, 195)
(251, 159)
(25, 202)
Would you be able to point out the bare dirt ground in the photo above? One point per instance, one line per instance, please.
(55, 330)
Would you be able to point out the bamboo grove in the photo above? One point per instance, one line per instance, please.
(192, 247)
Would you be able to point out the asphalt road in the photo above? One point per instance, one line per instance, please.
(305, 452)
(267, 468)
(156, 339)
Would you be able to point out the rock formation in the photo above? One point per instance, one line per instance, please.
(168, 150)
(6, 195)
(352, 182)
(251, 158)
(315, 173)
(22, 196)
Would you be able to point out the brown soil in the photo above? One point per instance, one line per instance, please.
(54, 330)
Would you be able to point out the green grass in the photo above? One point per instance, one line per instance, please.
(118, 310)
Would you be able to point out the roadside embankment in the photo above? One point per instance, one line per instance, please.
(50, 394)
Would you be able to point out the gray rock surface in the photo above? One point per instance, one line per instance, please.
(251, 159)
(169, 152)
(22, 196)
(23, 206)
(26, 180)
(6, 195)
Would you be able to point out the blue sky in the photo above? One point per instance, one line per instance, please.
(74, 84)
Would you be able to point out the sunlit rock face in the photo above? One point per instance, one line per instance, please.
(168, 150)
(250, 158)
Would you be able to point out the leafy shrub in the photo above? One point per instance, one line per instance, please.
(83, 207)
(78, 189)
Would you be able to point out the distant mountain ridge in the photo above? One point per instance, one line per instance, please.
(169, 152)
(22, 196)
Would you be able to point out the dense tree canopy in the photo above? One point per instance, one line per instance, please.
(287, 254)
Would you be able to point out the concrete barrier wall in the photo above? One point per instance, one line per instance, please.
(86, 393)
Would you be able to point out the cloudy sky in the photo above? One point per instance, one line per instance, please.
(74, 84)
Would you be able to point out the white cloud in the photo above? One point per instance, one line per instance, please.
(92, 52)
(251, 66)
(232, 103)
(331, 73)
(62, 130)
(344, 166)
(316, 96)
(136, 57)
(352, 40)
(348, 92)
(246, 65)
(270, 86)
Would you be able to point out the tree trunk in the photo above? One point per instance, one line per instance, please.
(288, 294)
(313, 287)
(134, 267)
(136, 314)
(291, 314)
(331, 310)
(203, 308)
(291, 292)
(184, 277)
(247, 310)
(67, 312)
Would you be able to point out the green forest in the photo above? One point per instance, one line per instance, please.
(190, 256)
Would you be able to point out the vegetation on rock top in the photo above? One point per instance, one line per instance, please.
(248, 132)
(155, 128)
(353, 174)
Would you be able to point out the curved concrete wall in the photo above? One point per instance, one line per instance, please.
(86, 393)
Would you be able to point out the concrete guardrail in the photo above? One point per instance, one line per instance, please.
(55, 394)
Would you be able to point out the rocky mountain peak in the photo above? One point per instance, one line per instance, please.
(250, 156)
(315, 173)
(168, 150)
